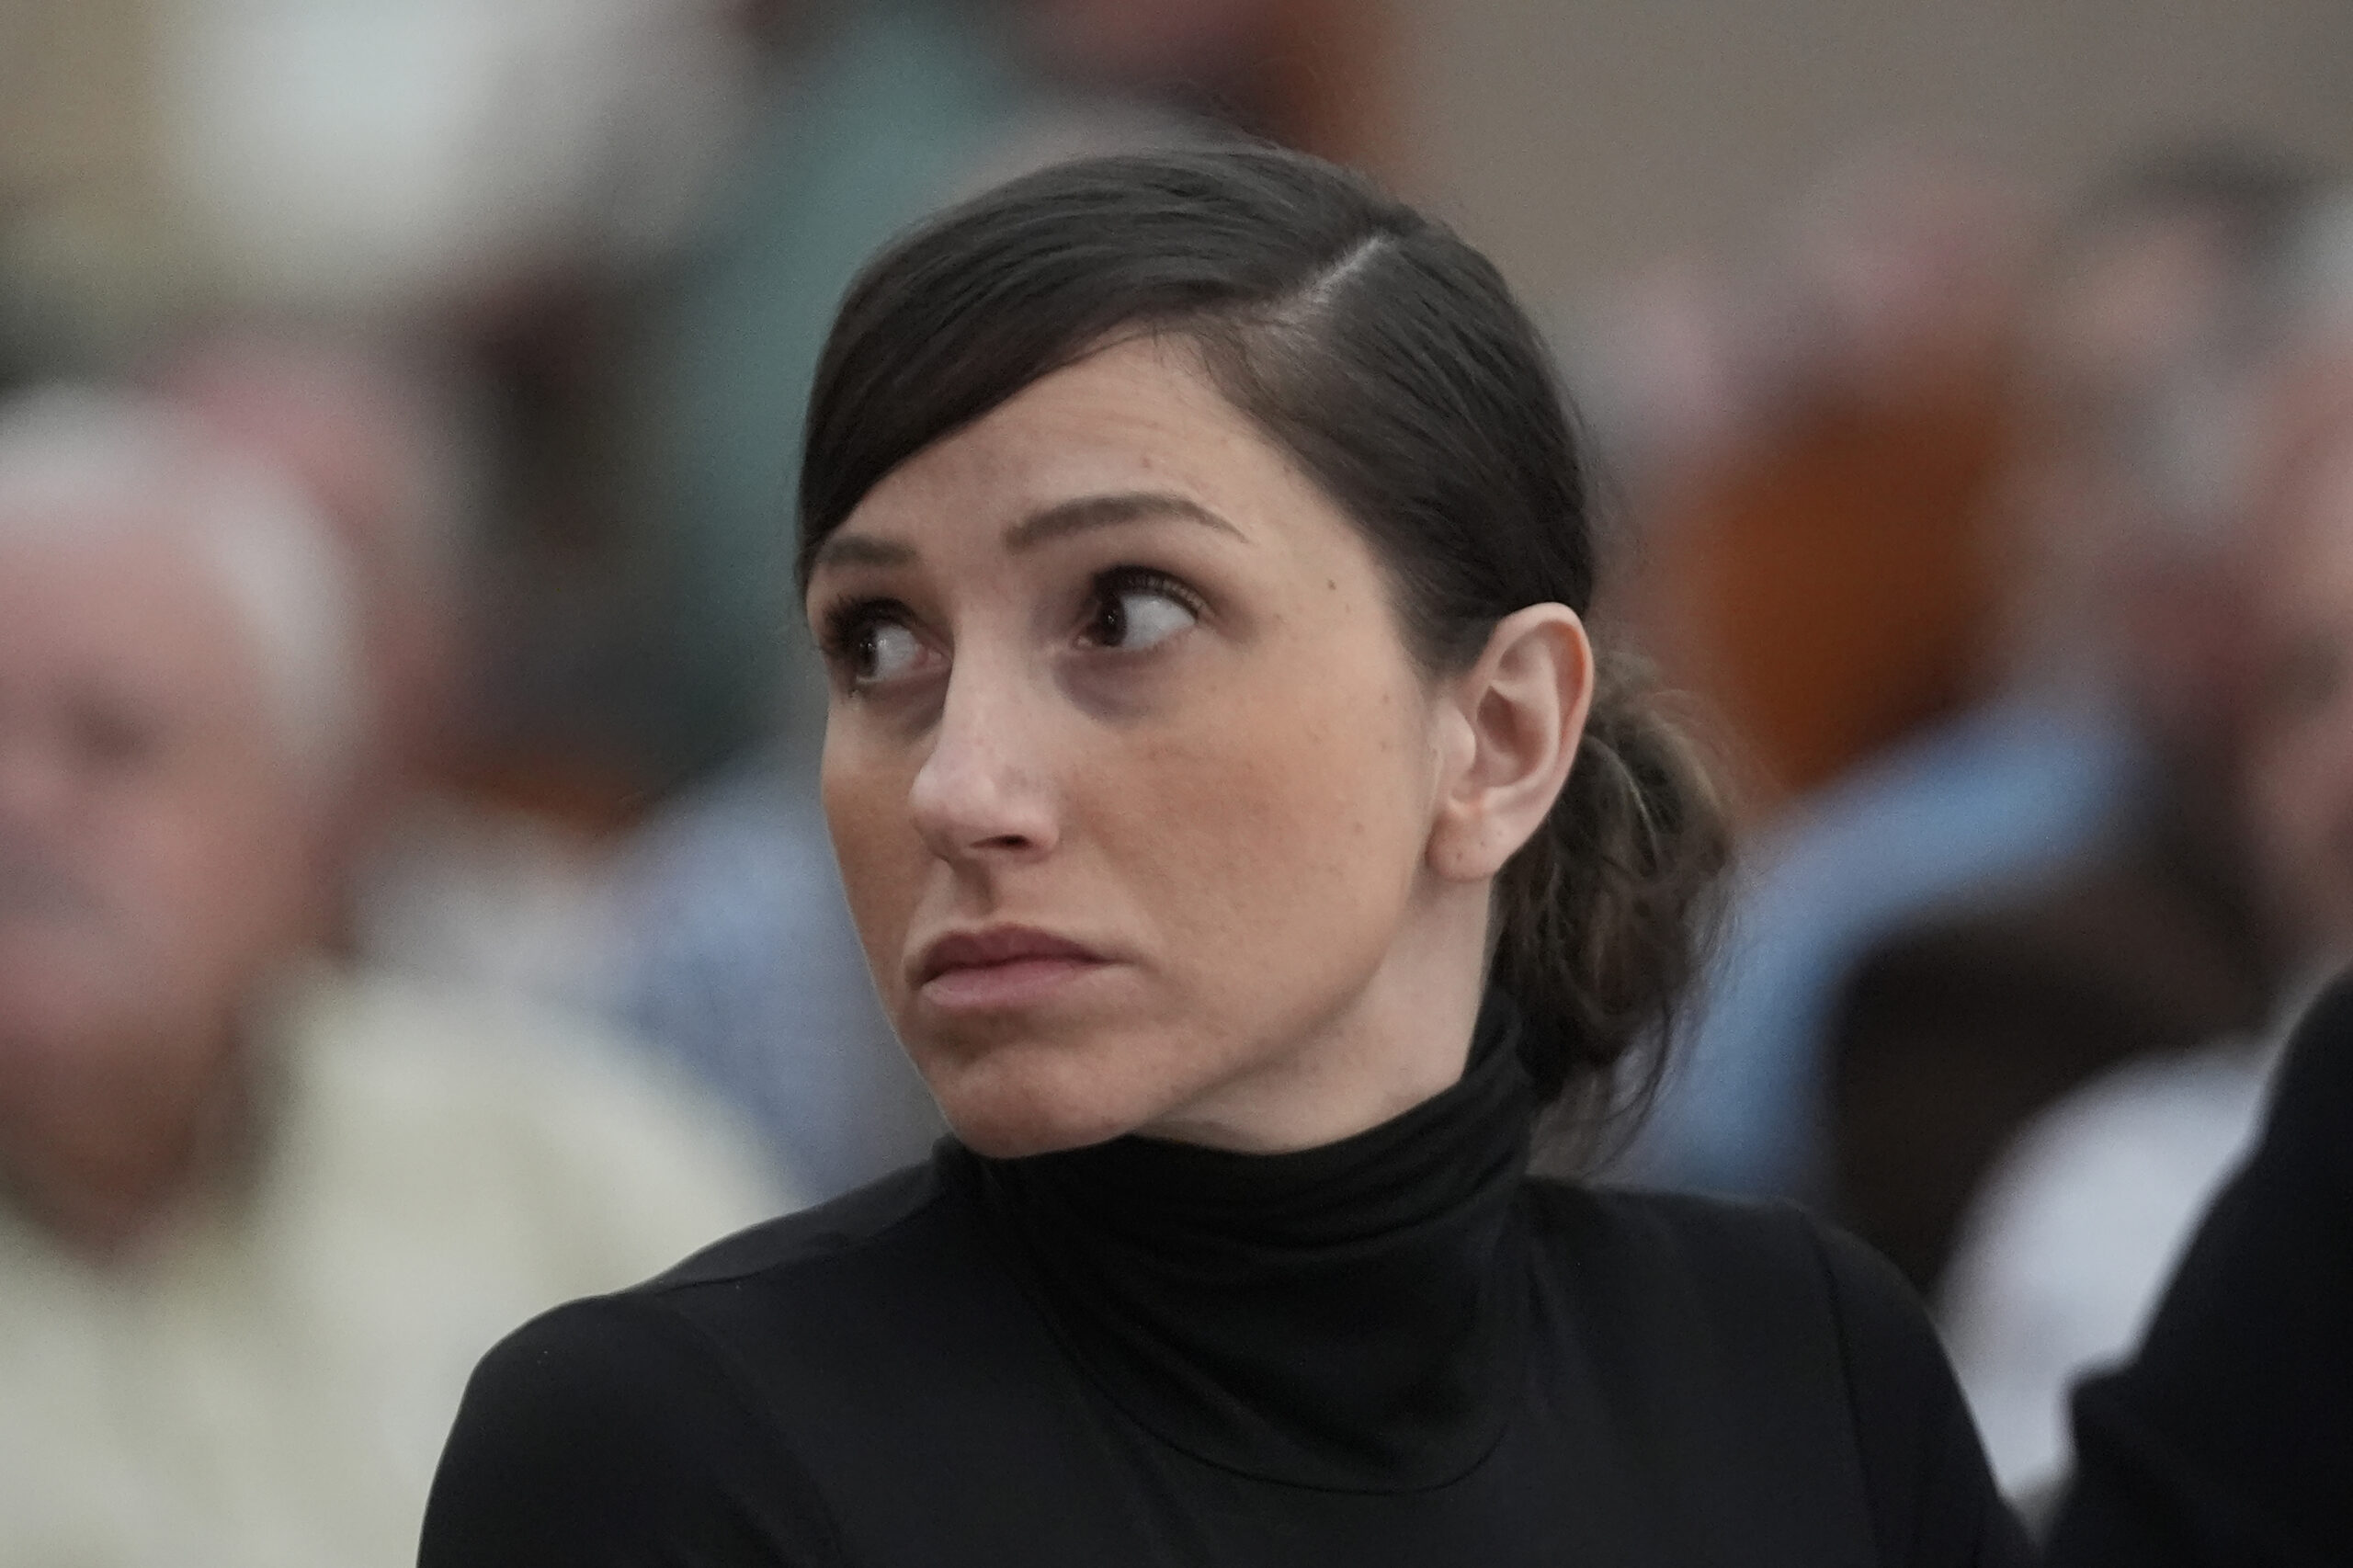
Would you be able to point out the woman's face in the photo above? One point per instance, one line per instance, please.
(1131, 776)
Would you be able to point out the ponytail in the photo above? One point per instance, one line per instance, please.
(1602, 918)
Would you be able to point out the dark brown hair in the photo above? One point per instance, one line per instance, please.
(1388, 358)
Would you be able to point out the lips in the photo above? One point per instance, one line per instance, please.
(1004, 966)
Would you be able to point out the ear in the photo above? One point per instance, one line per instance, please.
(1516, 717)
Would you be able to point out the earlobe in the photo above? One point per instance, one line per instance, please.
(1524, 705)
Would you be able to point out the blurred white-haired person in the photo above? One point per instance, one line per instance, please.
(260, 1212)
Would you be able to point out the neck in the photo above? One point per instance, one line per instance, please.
(1346, 1317)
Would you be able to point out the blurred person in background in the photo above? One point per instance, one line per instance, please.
(2071, 1239)
(1806, 446)
(449, 882)
(380, 448)
(259, 1210)
(2144, 931)
(2051, 766)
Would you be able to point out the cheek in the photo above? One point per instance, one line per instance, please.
(1273, 846)
(60, 974)
(187, 891)
(217, 874)
(875, 844)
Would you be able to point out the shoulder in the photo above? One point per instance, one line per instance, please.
(782, 1293)
(1708, 1248)
(1730, 1269)
(900, 1274)
(608, 1431)
(679, 1413)
(1786, 1327)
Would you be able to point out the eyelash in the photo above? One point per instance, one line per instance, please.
(1110, 584)
(844, 624)
(850, 619)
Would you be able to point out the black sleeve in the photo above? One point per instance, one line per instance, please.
(609, 1432)
(1933, 1500)
(2228, 1437)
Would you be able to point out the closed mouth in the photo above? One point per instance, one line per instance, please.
(999, 946)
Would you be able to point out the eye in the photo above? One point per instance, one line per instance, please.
(1139, 610)
(870, 643)
(886, 651)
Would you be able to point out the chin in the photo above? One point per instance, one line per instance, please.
(1019, 1099)
(1007, 1126)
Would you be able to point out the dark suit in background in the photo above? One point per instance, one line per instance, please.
(2229, 1439)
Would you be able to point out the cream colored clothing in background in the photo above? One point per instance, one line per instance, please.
(268, 1385)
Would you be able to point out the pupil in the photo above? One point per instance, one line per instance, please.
(1111, 625)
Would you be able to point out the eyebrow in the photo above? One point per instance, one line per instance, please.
(1085, 512)
(860, 550)
(1057, 521)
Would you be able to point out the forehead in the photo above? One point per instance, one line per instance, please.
(125, 605)
(1137, 413)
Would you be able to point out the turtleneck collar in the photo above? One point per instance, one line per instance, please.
(1349, 1317)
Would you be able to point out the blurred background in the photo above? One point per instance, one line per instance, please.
(413, 911)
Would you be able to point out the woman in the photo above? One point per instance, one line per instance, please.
(1247, 847)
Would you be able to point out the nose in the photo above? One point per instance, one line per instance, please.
(980, 794)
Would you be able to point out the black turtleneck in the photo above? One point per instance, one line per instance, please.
(1395, 1349)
